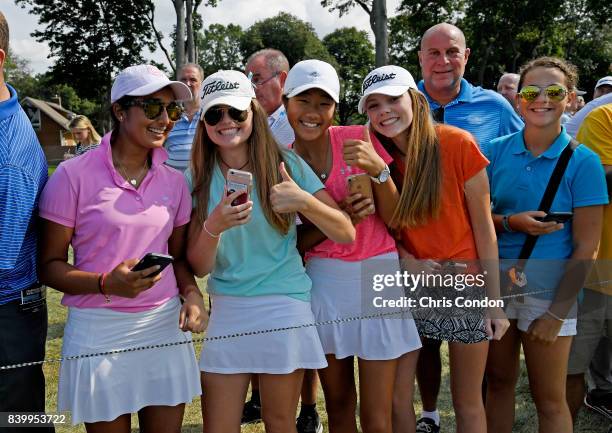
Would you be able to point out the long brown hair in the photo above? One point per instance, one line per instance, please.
(265, 157)
(420, 197)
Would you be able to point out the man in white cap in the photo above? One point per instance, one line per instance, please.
(269, 70)
(179, 141)
(603, 87)
(601, 96)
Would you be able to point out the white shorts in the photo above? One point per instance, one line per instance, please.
(532, 308)
(101, 388)
(278, 352)
(337, 293)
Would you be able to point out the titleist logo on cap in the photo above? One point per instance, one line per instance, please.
(377, 79)
(219, 85)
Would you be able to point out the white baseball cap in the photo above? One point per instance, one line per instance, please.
(312, 74)
(231, 88)
(141, 80)
(605, 81)
(387, 80)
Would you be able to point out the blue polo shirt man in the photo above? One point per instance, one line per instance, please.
(483, 113)
(23, 312)
(180, 139)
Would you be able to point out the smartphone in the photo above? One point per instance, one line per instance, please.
(360, 183)
(454, 267)
(238, 180)
(558, 217)
(152, 259)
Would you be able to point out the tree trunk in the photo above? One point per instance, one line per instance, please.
(378, 22)
(191, 57)
(179, 7)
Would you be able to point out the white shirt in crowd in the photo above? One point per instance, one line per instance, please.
(573, 125)
(280, 127)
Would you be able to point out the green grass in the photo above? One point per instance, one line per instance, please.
(526, 420)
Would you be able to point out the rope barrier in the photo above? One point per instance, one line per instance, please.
(230, 336)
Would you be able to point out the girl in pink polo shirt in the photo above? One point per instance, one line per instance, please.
(342, 274)
(113, 205)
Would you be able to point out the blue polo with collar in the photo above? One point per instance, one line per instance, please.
(483, 113)
(180, 140)
(23, 173)
(518, 181)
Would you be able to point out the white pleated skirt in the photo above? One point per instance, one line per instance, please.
(338, 291)
(101, 388)
(278, 352)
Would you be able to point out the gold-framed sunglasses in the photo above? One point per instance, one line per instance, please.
(554, 92)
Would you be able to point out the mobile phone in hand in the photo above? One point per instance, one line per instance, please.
(558, 217)
(360, 183)
(152, 259)
(238, 180)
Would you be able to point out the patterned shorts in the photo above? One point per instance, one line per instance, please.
(442, 315)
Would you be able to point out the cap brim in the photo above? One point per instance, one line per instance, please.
(180, 90)
(309, 86)
(384, 90)
(238, 102)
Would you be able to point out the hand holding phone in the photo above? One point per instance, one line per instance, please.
(238, 180)
(153, 259)
(558, 217)
(359, 204)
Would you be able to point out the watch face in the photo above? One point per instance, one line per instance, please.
(384, 175)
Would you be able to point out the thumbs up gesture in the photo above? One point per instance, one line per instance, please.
(287, 196)
(361, 153)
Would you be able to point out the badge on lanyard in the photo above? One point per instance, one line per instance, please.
(33, 298)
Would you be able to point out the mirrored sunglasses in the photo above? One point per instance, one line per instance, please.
(554, 92)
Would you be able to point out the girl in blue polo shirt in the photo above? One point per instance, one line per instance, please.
(248, 245)
(541, 321)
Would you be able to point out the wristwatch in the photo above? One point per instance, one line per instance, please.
(383, 176)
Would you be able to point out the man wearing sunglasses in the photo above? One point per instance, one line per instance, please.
(269, 70)
(179, 141)
(486, 115)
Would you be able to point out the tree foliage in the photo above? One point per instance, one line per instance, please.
(287, 33)
(219, 48)
(377, 11)
(91, 40)
(354, 54)
(504, 35)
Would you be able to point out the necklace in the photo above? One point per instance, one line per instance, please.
(229, 166)
(133, 180)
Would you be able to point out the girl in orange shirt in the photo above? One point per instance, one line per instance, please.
(445, 194)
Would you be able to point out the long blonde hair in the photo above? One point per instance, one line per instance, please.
(420, 197)
(265, 157)
(82, 121)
